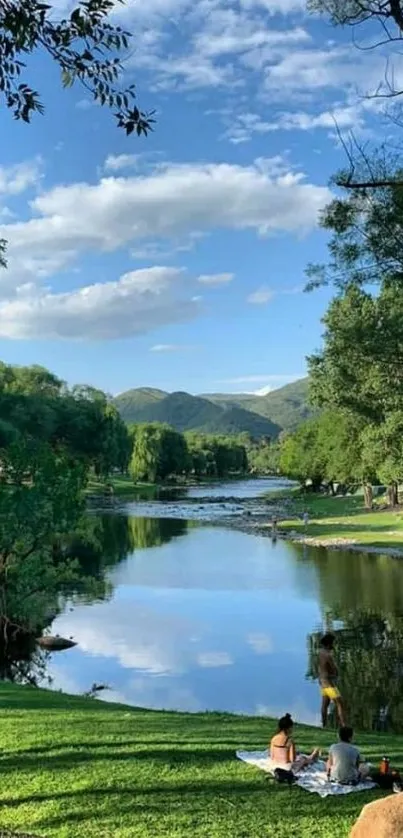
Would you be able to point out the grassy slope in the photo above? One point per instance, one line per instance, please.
(77, 767)
(332, 518)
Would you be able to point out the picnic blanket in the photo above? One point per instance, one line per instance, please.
(313, 778)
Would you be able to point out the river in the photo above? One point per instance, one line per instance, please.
(204, 617)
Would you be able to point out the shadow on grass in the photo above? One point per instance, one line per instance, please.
(216, 801)
(168, 756)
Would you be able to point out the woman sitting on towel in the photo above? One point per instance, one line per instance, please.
(283, 751)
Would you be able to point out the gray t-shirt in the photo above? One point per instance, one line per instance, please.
(345, 759)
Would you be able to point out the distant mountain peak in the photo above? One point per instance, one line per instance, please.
(262, 414)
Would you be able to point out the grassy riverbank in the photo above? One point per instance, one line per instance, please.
(122, 486)
(72, 767)
(333, 519)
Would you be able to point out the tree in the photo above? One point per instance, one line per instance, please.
(327, 450)
(158, 452)
(366, 244)
(370, 648)
(383, 452)
(361, 365)
(357, 13)
(41, 503)
(360, 369)
(381, 24)
(37, 404)
(216, 455)
(300, 457)
(85, 46)
(264, 456)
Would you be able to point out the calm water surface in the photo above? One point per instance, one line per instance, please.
(203, 618)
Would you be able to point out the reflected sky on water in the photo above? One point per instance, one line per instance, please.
(204, 618)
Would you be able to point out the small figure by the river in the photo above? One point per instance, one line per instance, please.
(274, 523)
(328, 673)
(305, 519)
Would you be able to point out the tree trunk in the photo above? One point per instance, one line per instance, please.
(368, 495)
(393, 494)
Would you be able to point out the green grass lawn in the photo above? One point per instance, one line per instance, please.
(78, 767)
(333, 518)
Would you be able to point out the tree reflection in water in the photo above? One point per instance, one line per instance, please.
(100, 543)
(362, 603)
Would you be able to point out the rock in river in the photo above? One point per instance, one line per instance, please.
(55, 644)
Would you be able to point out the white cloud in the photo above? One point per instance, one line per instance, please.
(276, 6)
(243, 126)
(240, 39)
(171, 201)
(215, 279)
(212, 660)
(203, 45)
(117, 162)
(171, 347)
(270, 382)
(263, 391)
(135, 304)
(18, 177)
(262, 296)
(312, 70)
(261, 643)
(85, 104)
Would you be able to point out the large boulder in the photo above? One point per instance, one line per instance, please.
(381, 819)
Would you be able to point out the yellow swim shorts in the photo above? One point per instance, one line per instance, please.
(330, 692)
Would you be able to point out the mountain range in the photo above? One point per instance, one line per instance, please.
(220, 413)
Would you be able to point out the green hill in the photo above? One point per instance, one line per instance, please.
(185, 413)
(286, 407)
(220, 413)
(133, 400)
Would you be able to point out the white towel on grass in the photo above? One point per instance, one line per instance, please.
(313, 778)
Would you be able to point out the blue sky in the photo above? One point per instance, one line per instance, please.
(177, 261)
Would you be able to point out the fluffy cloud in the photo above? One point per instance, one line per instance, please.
(270, 381)
(243, 126)
(117, 162)
(18, 177)
(215, 279)
(244, 49)
(171, 347)
(208, 41)
(169, 202)
(135, 304)
(213, 660)
(315, 69)
(262, 296)
(262, 644)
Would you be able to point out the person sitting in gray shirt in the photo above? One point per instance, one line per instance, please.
(345, 764)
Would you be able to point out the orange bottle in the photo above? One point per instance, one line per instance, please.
(384, 765)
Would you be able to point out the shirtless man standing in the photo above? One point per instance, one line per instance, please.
(328, 680)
